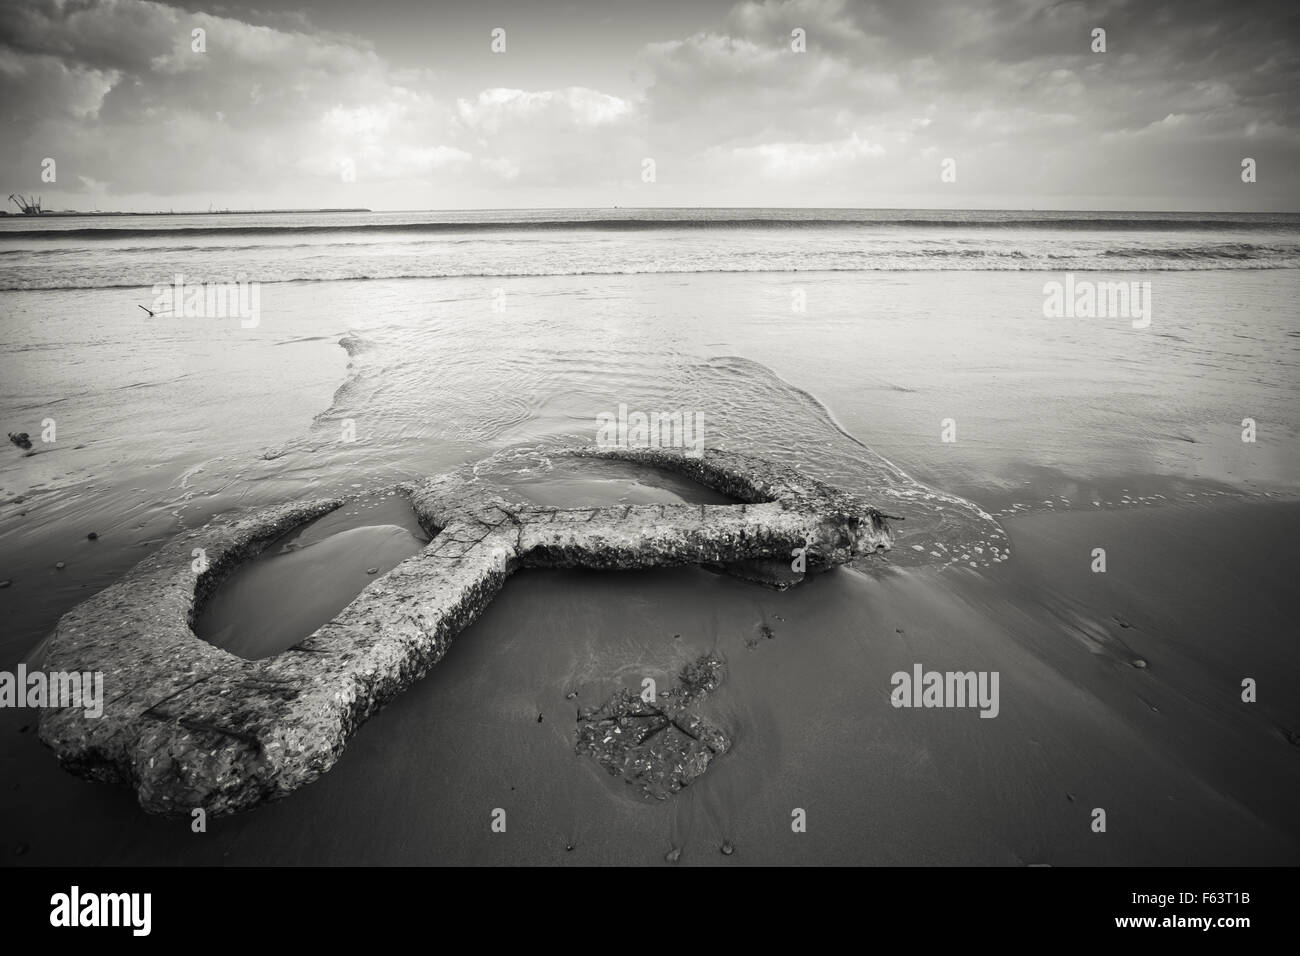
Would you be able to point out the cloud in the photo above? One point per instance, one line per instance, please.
(551, 138)
(496, 108)
(122, 94)
(282, 113)
(1011, 89)
(117, 91)
(803, 160)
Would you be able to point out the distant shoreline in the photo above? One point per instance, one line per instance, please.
(65, 213)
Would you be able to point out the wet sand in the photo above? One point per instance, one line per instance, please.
(1187, 772)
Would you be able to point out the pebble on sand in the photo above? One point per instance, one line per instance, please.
(727, 848)
(674, 854)
(372, 570)
(93, 536)
(59, 566)
(1139, 663)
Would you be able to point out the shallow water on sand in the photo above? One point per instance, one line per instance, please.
(304, 578)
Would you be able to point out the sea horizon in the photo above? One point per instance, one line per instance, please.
(1140, 210)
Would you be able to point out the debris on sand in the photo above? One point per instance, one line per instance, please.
(764, 633)
(658, 746)
(22, 440)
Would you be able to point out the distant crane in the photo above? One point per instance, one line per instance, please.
(30, 207)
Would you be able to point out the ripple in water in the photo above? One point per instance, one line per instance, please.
(428, 400)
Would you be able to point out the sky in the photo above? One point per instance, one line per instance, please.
(406, 105)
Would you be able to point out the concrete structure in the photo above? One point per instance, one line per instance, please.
(187, 724)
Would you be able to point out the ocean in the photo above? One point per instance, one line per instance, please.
(121, 251)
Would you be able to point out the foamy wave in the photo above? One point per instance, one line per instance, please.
(955, 262)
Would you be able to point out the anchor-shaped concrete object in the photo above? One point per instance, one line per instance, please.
(189, 725)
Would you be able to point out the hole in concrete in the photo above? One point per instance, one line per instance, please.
(304, 578)
(598, 483)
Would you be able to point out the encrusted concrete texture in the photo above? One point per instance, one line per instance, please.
(188, 725)
(658, 745)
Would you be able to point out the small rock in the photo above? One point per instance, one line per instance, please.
(22, 439)
(59, 565)
(674, 854)
(5, 584)
(726, 848)
(93, 536)
(19, 500)
(570, 695)
(1139, 663)
(24, 728)
(568, 848)
(372, 570)
(21, 849)
(539, 718)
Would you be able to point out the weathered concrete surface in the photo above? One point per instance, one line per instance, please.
(189, 725)
(657, 746)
